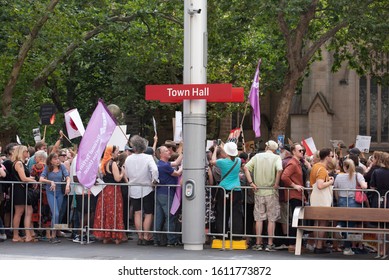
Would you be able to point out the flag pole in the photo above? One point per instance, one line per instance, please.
(241, 128)
(67, 139)
(44, 133)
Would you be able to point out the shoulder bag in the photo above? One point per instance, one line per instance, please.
(360, 196)
(321, 197)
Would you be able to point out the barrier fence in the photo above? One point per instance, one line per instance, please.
(77, 213)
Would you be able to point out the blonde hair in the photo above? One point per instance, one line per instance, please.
(17, 154)
(349, 167)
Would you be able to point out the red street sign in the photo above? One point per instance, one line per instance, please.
(178, 93)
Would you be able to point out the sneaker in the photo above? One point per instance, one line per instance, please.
(176, 244)
(55, 241)
(282, 247)
(77, 239)
(310, 247)
(348, 252)
(3, 237)
(322, 251)
(270, 248)
(257, 247)
(338, 234)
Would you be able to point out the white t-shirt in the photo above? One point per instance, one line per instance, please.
(141, 171)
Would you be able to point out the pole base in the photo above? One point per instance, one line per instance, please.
(193, 247)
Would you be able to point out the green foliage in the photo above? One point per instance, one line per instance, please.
(127, 54)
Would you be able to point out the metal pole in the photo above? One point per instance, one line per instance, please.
(194, 125)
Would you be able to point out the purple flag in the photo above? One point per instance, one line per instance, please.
(254, 102)
(92, 145)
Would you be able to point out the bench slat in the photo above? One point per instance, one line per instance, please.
(346, 214)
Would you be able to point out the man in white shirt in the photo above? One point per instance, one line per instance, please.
(142, 173)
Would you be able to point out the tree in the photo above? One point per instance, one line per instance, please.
(25, 48)
(307, 25)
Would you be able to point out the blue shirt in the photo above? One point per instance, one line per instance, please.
(232, 180)
(57, 177)
(165, 178)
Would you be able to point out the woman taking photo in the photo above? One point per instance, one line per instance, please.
(230, 182)
(109, 208)
(53, 175)
(22, 204)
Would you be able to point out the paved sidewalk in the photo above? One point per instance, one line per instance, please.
(131, 251)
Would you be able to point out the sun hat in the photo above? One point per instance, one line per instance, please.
(231, 149)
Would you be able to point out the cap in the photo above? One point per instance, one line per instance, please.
(354, 151)
(272, 145)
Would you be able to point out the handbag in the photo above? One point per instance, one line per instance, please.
(360, 196)
(321, 197)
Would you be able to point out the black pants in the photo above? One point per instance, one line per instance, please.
(293, 203)
(237, 215)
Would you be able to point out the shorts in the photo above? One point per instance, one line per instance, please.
(267, 208)
(283, 213)
(147, 202)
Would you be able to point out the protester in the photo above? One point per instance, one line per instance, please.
(345, 184)
(22, 204)
(168, 180)
(231, 192)
(292, 179)
(142, 173)
(54, 175)
(266, 168)
(109, 208)
(322, 184)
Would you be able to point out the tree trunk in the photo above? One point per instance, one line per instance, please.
(5, 136)
(282, 113)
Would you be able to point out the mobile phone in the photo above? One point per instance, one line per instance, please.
(219, 141)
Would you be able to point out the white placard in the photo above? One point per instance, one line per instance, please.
(210, 143)
(37, 134)
(119, 137)
(155, 126)
(335, 143)
(363, 143)
(178, 128)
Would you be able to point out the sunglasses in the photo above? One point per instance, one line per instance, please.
(62, 155)
(302, 151)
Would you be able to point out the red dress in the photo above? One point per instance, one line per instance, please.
(109, 211)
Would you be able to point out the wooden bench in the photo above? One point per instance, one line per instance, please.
(304, 213)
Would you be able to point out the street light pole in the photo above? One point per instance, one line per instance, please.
(194, 125)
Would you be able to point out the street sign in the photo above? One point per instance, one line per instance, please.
(210, 92)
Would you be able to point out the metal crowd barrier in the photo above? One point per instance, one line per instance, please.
(86, 228)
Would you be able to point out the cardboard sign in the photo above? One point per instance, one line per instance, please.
(336, 143)
(363, 143)
(47, 114)
(37, 134)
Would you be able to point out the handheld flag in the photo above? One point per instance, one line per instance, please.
(74, 125)
(98, 132)
(254, 102)
(309, 146)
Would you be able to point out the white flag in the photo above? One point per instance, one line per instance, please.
(74, 125)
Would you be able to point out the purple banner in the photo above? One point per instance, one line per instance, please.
(254, 102)
(96, 136)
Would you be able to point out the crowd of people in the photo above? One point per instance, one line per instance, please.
(253, 195)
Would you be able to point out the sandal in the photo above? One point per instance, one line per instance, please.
(32, 240)
(19, 239)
